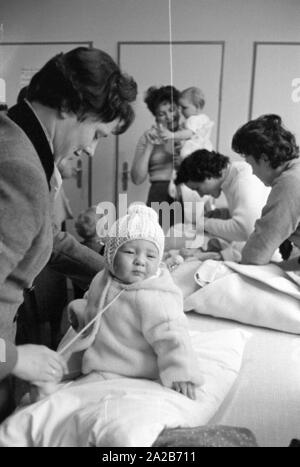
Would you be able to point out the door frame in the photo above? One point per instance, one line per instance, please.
(256, 45)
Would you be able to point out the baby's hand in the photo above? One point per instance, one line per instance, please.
(186, 388)
(153, 136)
(173, 262)
(164, 133)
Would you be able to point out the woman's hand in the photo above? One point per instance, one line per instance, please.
(186, 388)
(39, 363)
(153, 136)
(214, 244)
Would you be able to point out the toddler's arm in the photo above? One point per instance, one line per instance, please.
(177, 135)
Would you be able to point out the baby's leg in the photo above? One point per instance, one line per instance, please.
(172, 189)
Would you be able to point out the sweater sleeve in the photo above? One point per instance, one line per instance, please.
(74, 260)
(199, 124)
(165, 328)
(280, 219)
(247, 199)
(22, 208)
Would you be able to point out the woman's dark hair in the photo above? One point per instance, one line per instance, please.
(200, 165)
(266, 137)
(22, 94)
(86, 82)
(155, 96)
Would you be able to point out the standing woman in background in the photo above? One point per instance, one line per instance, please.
(154, 156)
(77, 98)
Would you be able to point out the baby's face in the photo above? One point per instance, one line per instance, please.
(85, 225)
(136, 260)
(187, 107)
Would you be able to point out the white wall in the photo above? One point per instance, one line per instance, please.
(105, 22)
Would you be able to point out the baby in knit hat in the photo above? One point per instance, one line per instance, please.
(144, 332)
(139, 329)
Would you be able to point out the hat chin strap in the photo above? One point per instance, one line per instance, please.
(95, 320)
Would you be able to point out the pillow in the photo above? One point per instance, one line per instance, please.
(258, 295)
(94, 411)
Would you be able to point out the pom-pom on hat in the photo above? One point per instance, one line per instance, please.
(141, 222)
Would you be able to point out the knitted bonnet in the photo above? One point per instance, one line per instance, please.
(141, 222)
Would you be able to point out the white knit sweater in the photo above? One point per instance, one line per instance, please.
(143, 334)
(246, 196)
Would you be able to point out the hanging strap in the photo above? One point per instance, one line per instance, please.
(95, 320)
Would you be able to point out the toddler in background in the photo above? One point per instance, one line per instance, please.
(144, 332)
(196, 130)
(196, 134)
(197, 126)
(85, 226)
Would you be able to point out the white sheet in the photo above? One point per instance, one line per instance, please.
(263, 296)
(128, 412)
(266, 395)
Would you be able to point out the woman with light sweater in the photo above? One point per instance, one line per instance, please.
(211, 173)
(273, 154)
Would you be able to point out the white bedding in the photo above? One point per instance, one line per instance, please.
(128, 412)
(266, 395)
(263, 296)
